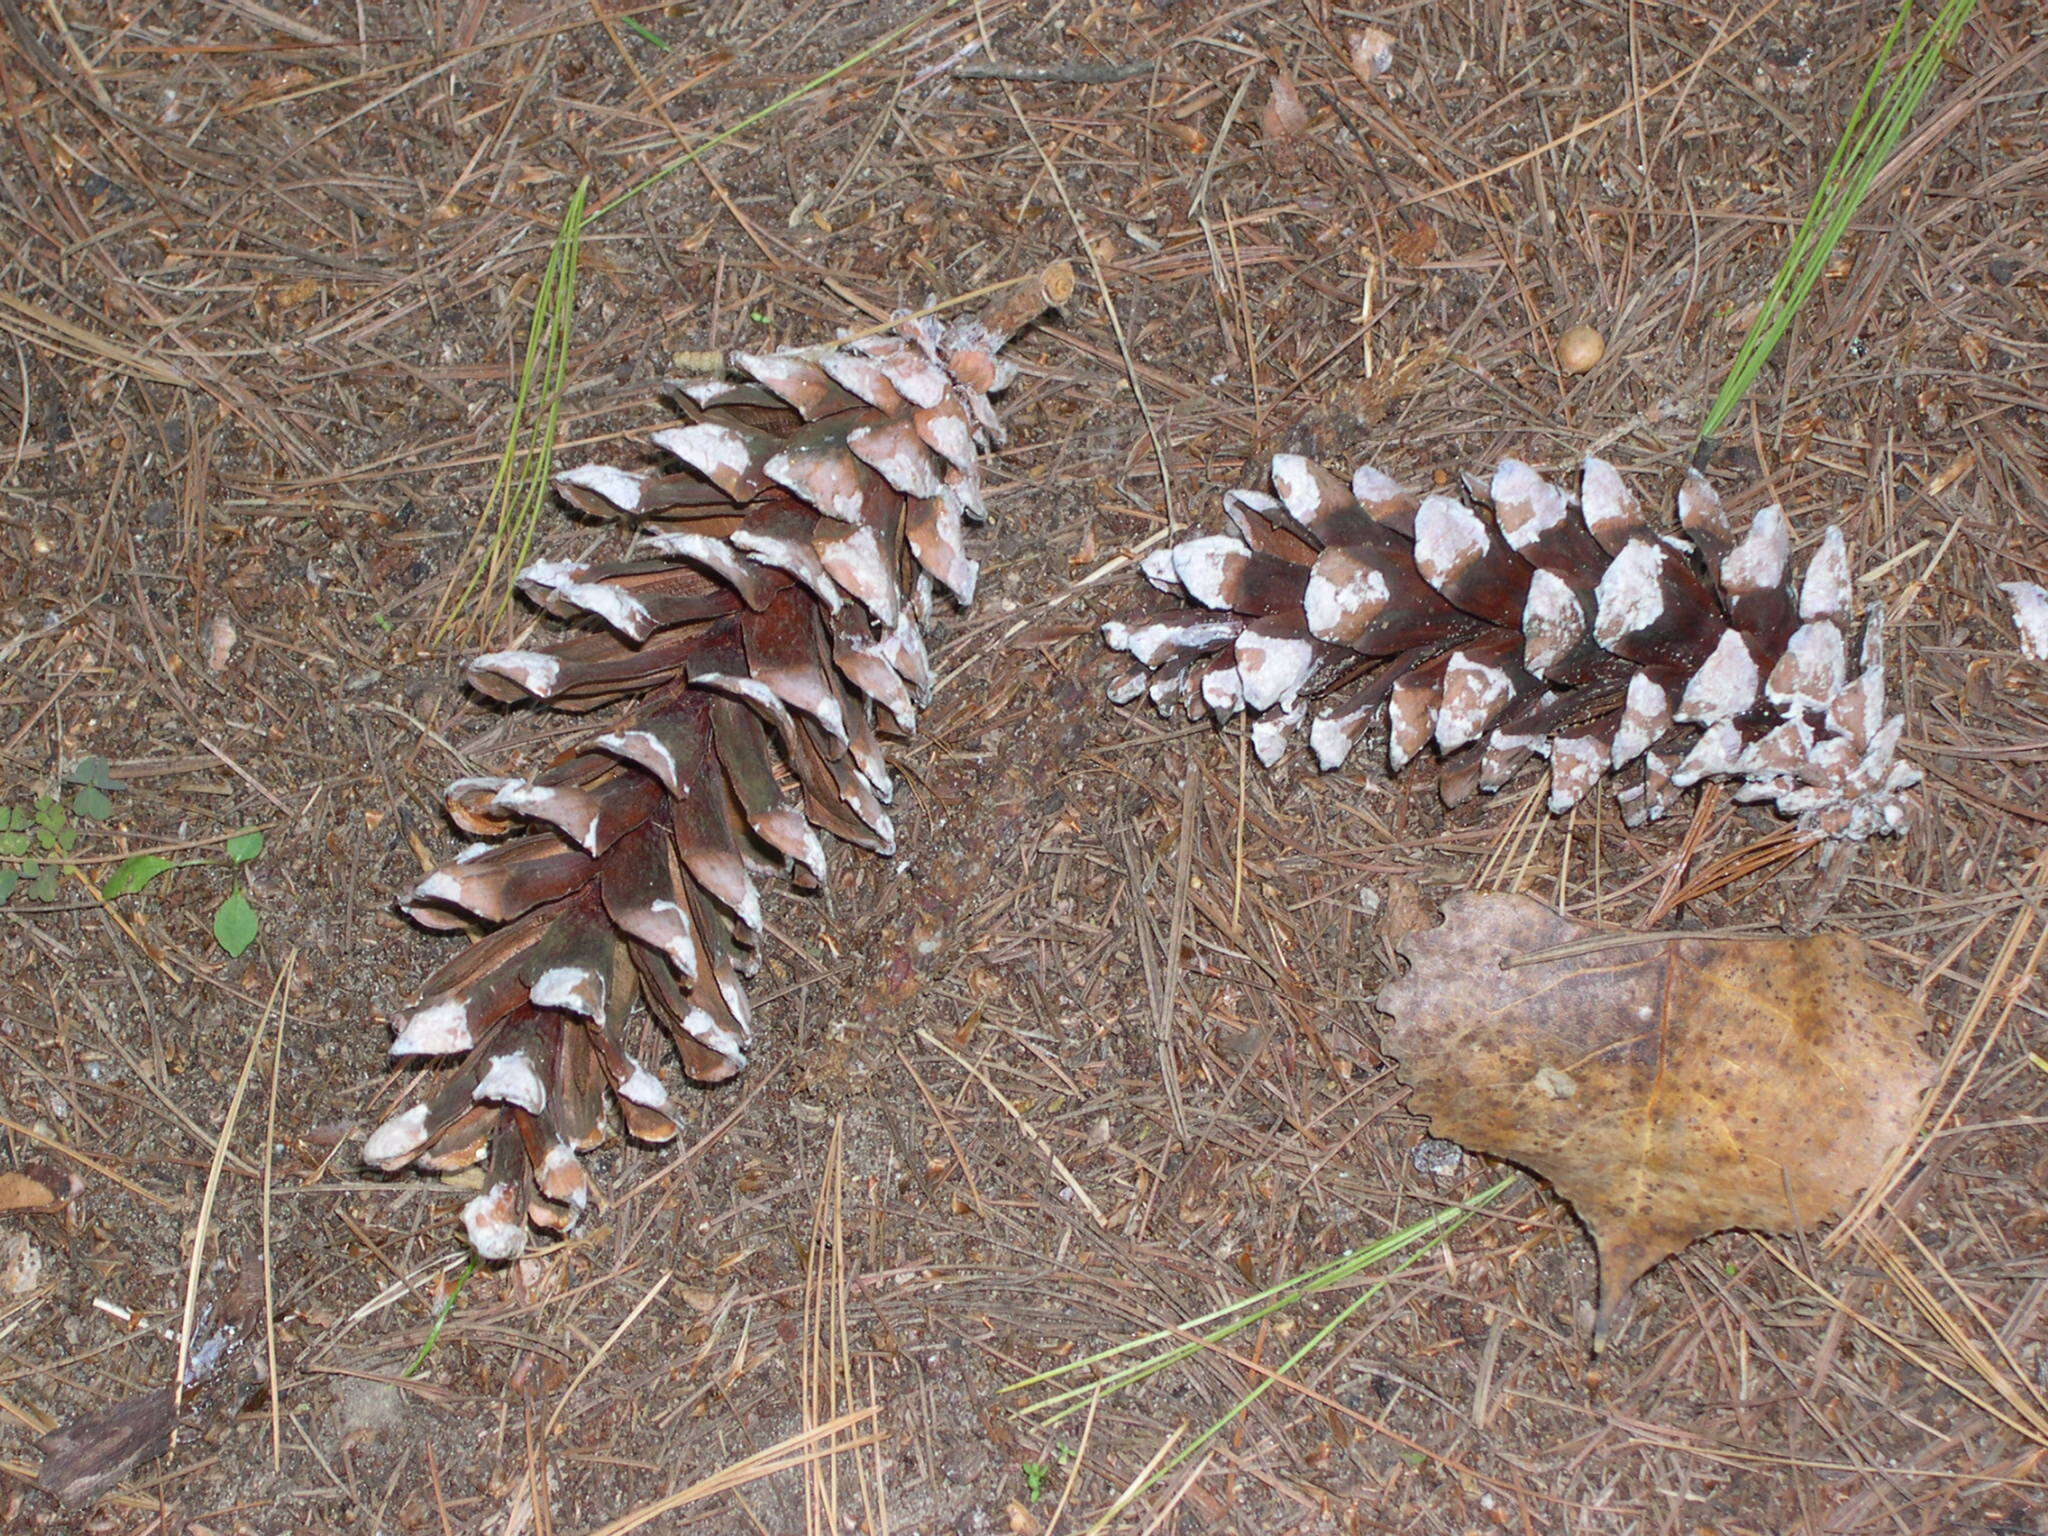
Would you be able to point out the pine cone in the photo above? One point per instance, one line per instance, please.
(766, 630)
(1525, 622)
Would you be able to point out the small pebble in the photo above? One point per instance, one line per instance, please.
(1580, 349)
(220, 642)
(1372, 53)
(1438, 1158)
(21, 1264)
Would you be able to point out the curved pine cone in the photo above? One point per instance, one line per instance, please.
(765, 632)
(1522, 621)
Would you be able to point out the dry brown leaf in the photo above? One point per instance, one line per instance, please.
(36, 1187)
(1284, 116)
(1667, 1087)
(19, 1192)
(1415, 244)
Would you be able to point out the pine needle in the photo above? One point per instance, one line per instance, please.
(851, 61)
(519, 491)
(1171, 1346)
(441, 1315)
(1866, 145)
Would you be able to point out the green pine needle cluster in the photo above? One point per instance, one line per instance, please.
(519, 490)
(1873, 133)
(1167, 1347)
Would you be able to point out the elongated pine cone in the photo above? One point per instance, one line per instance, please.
(764, 633)
(1521, 622)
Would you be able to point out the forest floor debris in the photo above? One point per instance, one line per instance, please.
(266, 279)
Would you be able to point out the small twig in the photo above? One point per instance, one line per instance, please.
(1901, 605)
(269, 1290)
(291, 26)
(220, 1157)
(186, 845)
(1170, 962)
(156, 955)
(1139, 1483)
(1166, 1510)
(1201, 197)
(1607, 941)
(1074, 1467)
(1050, 74)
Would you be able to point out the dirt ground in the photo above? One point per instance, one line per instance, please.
(265, 279)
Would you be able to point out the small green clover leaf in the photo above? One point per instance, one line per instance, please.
(92, 803)
(92, 773)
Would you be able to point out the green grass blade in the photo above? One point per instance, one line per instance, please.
(1283, 1288)
(441, 1315)
(1265, 1303)
(1867, 143)
(1308, 1347)
(645, 34)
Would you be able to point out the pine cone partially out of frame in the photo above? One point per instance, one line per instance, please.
(763, 636)
(1521, 621)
